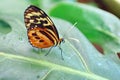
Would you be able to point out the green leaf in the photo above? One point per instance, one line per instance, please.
(98, 26)
(32, 69)
(23, 61)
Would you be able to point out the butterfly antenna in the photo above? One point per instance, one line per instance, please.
(74, 39)
(70, 29)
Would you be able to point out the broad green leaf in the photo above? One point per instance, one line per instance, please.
(81, 60)
(98, 26)
(16, 43)
(15, 67)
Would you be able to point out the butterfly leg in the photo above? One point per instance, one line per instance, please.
(48, 51)
(61, 52)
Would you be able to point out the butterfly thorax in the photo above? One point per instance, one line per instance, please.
(60, 40)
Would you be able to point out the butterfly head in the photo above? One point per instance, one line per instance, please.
(61, 40)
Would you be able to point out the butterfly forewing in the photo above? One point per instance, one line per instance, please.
(42, 32)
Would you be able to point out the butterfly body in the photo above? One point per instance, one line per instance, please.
(41, 31)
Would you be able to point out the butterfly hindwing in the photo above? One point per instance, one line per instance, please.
(39, 38)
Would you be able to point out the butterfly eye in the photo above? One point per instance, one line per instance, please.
(63, 40)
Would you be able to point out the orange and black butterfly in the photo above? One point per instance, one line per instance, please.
(41, 31)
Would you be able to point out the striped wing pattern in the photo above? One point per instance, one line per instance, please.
(41, 31)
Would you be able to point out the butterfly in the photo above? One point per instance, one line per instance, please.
(41, 30)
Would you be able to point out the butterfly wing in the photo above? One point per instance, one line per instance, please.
(42, 32)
